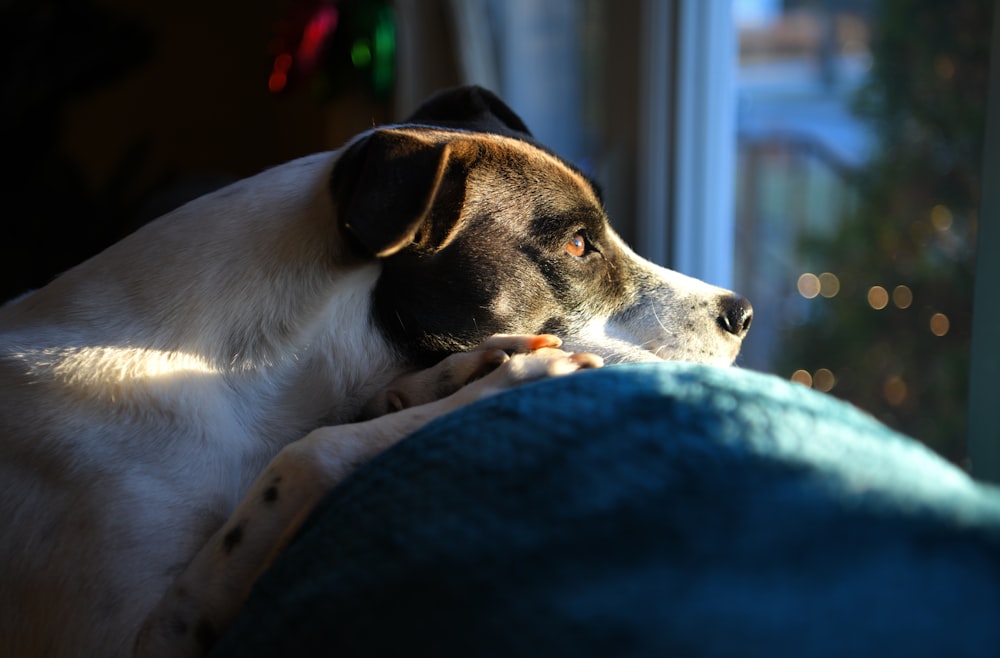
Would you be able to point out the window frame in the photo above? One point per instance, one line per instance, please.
(688, 110)
(983, 440)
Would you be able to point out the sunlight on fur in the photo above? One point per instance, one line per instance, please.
(101, 365)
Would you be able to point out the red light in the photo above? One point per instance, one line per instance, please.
(299, 46)
(322, 23)
(283, 62)
(277, 81)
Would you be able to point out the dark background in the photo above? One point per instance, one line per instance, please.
(115, 112)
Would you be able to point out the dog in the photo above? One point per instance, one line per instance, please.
(173, 408)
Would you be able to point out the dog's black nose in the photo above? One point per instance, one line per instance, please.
(735, 315)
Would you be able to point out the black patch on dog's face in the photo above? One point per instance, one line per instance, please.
(507, 268)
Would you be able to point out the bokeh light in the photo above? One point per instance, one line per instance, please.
(941, 217)
(940, 324)
(902, 296)
(277, 81)
(894, 390)
(802, 377)
(944, 66)
(829, 284)
(824, 380)
(361, 53)
(809, 285)
(878, 297)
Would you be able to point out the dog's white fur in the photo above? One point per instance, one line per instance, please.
(145, 391)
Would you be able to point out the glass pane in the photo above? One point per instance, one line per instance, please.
(860, 133)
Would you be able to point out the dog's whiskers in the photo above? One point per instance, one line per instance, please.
(664, 327)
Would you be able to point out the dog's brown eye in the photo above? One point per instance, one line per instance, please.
(577, 246)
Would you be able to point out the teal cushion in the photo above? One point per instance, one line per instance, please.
(642, 510)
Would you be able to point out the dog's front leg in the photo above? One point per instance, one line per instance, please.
(212, 588)
(203, 601)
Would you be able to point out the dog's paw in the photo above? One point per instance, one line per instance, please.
(461, 369)
(521, 368)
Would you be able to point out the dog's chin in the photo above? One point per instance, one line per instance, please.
(638, 355)
(635, 354)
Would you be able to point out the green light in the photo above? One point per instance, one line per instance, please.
(383, 70)
(361, 53)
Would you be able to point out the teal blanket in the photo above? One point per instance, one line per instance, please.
(643, 510)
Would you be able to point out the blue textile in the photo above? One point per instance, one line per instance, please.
(642, 510)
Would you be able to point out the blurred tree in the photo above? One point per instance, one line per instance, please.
(903, 354)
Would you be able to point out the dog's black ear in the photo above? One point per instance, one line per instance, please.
(471, 108)
(393, 189)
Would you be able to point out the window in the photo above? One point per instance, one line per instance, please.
(860, 150)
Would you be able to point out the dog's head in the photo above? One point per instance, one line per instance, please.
(480, 230)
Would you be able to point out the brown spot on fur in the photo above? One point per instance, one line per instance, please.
(270, 494)
(232, 539)
(205, 634)
(445, 384)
